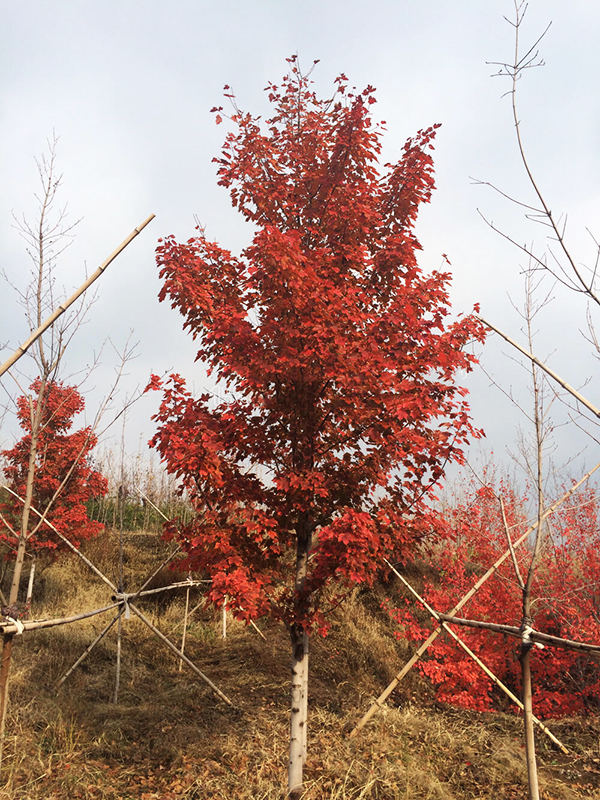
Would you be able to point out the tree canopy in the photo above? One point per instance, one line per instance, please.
(61, 460)
(333, 350)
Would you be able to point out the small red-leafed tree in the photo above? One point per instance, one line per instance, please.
(64, 477)
(338, 360)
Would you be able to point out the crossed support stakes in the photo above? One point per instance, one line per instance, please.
(124, 602)
(444, 619)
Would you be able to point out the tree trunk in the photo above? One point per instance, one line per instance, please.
(534, 791)
(305, 700)
(7, 640)
(299, 640)
(115, 697)
(526, 644)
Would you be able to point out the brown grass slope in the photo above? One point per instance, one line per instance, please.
(170, 737)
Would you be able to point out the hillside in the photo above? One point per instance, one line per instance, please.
(170, 737)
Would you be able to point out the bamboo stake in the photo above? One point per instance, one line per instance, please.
(476, 658)
(30, 583)
(193, 611)
(129, 596)
(185, 623)
(155, 507)
(34, 625)
(86, 652)
(69, 302)
(537, 637)
(115, 697)
(175, 649)
(378, 703)
(258, 630)
(579, 397)
(170, 557)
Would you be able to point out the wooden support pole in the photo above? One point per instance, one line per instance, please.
(9, 628)
(193, 611)
(132, 596)
(185, 624)
(30, 582)
(69, 302)
(537, 637)
(579, 397)
(164, 563)
(258, 630)
(154, 506)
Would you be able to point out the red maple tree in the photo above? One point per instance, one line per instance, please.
(336, 357)
(64, 477)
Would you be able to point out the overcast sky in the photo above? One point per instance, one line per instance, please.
(128, 85)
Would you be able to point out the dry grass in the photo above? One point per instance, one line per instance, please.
(169, 737)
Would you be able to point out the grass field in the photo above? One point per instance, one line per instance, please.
(170, 737)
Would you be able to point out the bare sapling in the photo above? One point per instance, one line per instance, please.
(46, 240)
(574, 273)
(535, 469)
(122, 497)
(557, 257)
